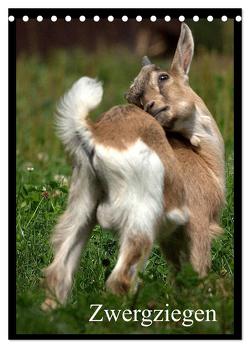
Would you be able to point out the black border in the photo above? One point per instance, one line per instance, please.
(131, 13)
(119, 12)
(238, 178)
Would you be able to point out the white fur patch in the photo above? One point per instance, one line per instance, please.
(172, 220)
(183, 104)
(198, 127)
(178, 216)
(192, 126)
(134, 182)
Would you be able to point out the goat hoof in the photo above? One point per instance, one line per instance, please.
(48, 305)
(118, 286)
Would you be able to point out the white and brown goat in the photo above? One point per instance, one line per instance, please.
(134, 178)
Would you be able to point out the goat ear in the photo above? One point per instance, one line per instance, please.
(184, 51)
(145, 61)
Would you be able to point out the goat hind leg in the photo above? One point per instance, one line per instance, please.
(134, 251)
(59, 274)
(69, 237)
(200, 247)
(174, 247)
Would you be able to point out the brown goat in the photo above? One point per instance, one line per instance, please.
(132, 178)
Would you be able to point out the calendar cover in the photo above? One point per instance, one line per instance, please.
(127, 151)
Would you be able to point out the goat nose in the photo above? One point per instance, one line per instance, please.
(149, 105)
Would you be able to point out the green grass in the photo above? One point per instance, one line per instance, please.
(42, 195)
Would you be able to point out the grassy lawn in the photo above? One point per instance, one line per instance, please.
(42, 194)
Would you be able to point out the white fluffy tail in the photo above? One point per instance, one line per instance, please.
(72, 111)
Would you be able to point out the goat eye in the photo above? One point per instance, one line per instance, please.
(163, 77)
